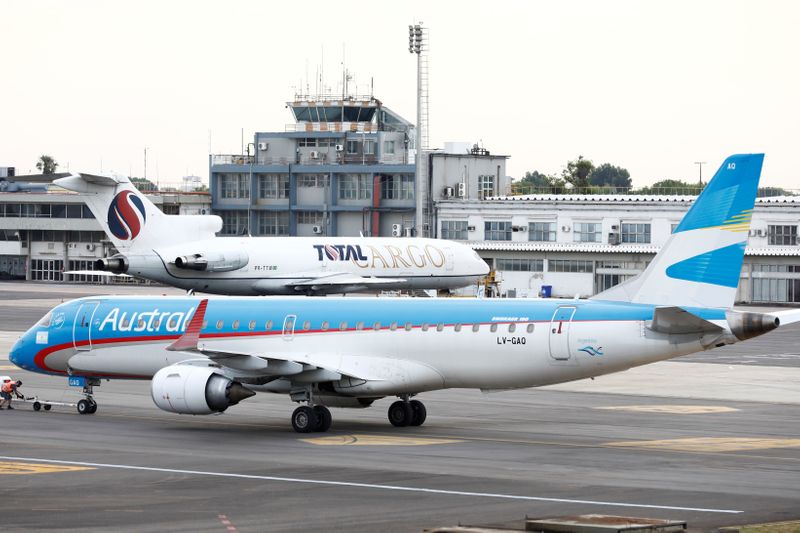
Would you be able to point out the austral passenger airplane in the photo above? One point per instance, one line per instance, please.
(183, 251)
(204, 355)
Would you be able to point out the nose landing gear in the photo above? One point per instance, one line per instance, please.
(87, 406)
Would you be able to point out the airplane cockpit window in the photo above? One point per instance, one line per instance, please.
(512, 327)
(44, 322)
(530, 328)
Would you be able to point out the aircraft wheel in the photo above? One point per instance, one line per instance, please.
(84, 407)
(400, 414)
(324, 418)
(420, 413)
(304, 419)
(92, 407)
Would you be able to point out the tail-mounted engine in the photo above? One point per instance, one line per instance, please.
(748, 325)
(117, 264)
(213, 262)
(195, 390)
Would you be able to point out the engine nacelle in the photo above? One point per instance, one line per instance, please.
(746, 325)
(117, 264)
(213, 262)
(195, 390)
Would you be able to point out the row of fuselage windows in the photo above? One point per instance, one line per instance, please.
(290, 326)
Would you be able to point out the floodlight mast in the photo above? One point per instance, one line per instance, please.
(418, 44)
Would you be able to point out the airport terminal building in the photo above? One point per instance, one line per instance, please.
(584, 244)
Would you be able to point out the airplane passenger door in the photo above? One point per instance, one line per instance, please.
(288, 327)
(559, 333)
(82, 328)
(449, 260)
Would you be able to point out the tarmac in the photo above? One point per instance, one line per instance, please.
(712, 439)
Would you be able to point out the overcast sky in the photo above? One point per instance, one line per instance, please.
(650, 86)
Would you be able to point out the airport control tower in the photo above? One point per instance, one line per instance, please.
(345, 166)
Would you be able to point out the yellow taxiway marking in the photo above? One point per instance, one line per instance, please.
(710, 444)
(671, 409)
(376, 440)
(10, 467)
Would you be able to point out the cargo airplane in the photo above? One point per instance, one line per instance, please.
(183, 251)
(203, 355)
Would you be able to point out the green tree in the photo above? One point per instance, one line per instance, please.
(610, 175)
(144, 185)
(577, 172)
(46, 164)
(537, 182)
(672, 187)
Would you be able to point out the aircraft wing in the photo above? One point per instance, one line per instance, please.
(247, 363)
(342, 279)
(674, 320)
(97, 273)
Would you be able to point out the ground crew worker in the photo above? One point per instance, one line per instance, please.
(8, 391)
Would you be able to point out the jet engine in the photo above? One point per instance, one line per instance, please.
(213, 262)
(117, 264)
(746, 325)
(195, 390)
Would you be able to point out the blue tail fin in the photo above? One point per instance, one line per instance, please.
(701, 262)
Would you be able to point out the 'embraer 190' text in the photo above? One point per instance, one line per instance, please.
(154, 320)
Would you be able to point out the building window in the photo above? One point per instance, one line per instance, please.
(782, 235)
(273, 186)
(497, 231)
(569, 265)
(273, 223)
(586, 231)
(312, 180)
(234, 186)
(233, 222)
(397, 187)
(47, 269)
(636, 233)
(369, 147)
(542, 231)
(355, 187)
(309, 217)
(388, 147)
(485, 186)
(352, 147)
(519, 265)
(454, 230)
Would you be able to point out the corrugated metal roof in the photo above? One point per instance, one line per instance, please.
(626, 198)
(505, 246)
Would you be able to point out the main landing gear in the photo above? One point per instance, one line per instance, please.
(404, 413)
(308, 419)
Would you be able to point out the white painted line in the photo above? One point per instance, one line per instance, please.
(374, 486)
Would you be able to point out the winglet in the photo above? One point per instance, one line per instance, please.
(188, 341)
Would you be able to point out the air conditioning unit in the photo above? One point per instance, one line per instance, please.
(90, 247)
(518, 228)
(613, 238)
(614, 228)
(397, 230)
(73, 245)
(462, 190)
(761, 233)
(470, 228)
(263, 146)
(314, 154)
(448, 192)
(565, 229)
(317, 230)
(340, 148)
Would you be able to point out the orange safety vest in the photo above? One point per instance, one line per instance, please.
(8, 387)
